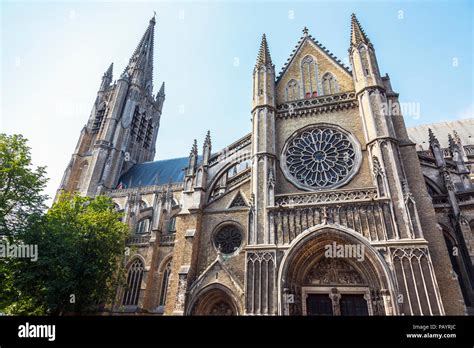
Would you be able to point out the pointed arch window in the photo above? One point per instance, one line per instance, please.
(309, 72)
(164, 283)
(134, 280)
(293, 90)
(172, 225)
(329, 84)
(143, 226)
(99, 117)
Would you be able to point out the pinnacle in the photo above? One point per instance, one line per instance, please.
(451, 142)
(357, 33)
(263, 57)
(432, 137)
(109, 71)
(194, 149)
(161, 92)
(207, 141)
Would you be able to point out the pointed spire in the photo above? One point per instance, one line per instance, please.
(207, 141)
(160, 97)
(161, 92)
(432, 137)
(263, 57)
(451, 142)
(357, 33)
(109, 71)
(457, 138)
(193, 156)
(107, 78)
(140, 66)
(194, 149)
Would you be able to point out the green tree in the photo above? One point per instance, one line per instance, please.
(80, 245)
(80, 242)
(20, 186)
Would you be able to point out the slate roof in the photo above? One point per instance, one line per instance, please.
(155, 173)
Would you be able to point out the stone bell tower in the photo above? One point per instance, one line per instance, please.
(122, 127)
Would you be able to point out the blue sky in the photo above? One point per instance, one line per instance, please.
(53, 55)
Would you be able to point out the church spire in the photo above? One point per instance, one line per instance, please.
(107, 78)
(263, 57)
(357, 33)
(140, 67)
(160, 96)
(108, 73)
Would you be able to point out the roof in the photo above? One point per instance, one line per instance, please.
(464, 128)
(323, 49)
(155, 173)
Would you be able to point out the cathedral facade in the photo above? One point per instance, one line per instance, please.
(327, 207)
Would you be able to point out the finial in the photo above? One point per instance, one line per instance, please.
(194, 149)
(152, 20)
(457, 138)
(263, 57)
(305, 31)
(432, 137)
(207, 141)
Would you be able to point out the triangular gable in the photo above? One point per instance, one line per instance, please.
(238, 201)
(323, 51)
(209, 277)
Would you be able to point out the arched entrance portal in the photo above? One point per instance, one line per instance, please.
(214, 301)
(331, 270)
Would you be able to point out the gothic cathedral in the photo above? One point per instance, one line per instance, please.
(329, 206)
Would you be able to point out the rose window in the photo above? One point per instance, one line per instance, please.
(320, 157)
(228, 239)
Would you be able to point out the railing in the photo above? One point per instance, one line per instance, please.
(138, 240)
(322, 102)
(145, 189)
(466, 197)
(231, 149)
(426, 153)
(469, 149)
(373, 220)
(167, 239)
(440, 200)
(326, 197)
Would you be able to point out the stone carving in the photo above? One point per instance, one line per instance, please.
(333, 271)
(326, 197)
(221, 308)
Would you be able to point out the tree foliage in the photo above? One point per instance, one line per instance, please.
(20, 186)
(80, 243)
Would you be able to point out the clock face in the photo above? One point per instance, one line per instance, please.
(320, 157)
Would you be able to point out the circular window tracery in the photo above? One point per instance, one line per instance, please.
(320, 157)
(228, 239)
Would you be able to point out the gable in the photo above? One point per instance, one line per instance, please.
(324, 66)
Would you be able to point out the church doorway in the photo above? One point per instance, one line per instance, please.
(214, 301)
(314, 283)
